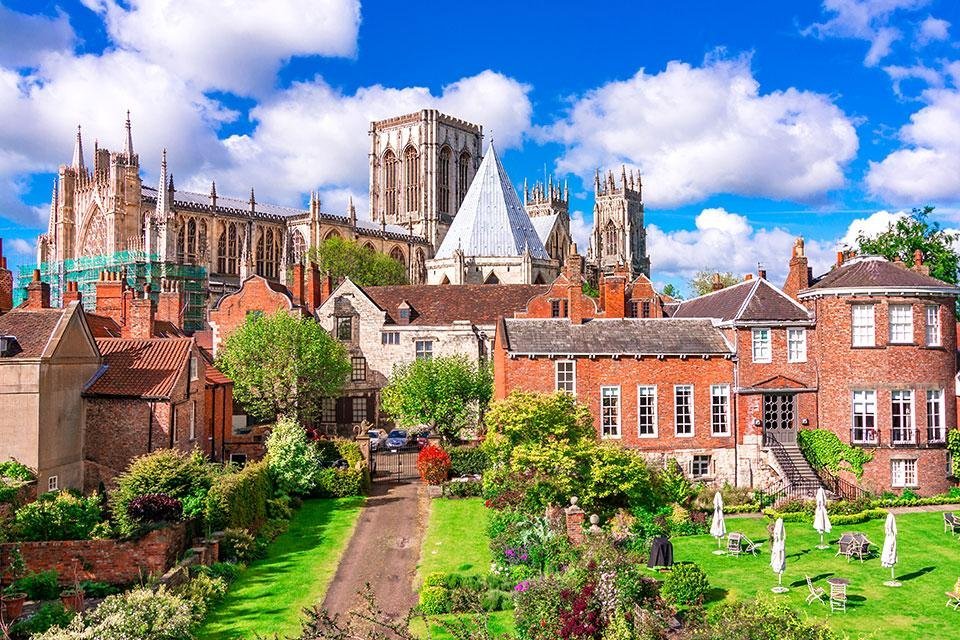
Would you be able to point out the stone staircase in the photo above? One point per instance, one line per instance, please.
(800, 480)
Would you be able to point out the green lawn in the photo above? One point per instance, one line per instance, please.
(456, 539)
(270, 595)
(498, 623)
(929, 565)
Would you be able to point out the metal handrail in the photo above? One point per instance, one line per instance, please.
(868, 437)
(783, 459)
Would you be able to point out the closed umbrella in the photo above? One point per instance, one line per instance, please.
(821, 520)
(888, 557)
(718, 528)
(778, 555)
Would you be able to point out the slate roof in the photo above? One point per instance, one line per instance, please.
(141, 368)
(33, 329)
(875, 272)
(492, 220)
(748, 301)
(437, 304)
(628, 336)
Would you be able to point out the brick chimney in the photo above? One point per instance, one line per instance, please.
(614, 295)
(296, 286)
(6, 283)
(573, 266)
(761, 272)
(918, 265)
(110, 303)
(38, 293)
(72, 294)
(326, 288)
(311, 288)
(140, 317)
(716, 282)
(798, 275)
(171, 303)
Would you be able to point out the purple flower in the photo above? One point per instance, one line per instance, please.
(523, 585)
(510, 553)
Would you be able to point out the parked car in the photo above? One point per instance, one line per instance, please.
(398, 438)
(377, 438)
(423, 438)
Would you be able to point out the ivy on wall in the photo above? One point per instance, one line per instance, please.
(824, 450)
(953, 447)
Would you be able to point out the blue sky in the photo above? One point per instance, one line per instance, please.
(752, 121)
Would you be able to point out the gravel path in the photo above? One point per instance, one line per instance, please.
(383, 551)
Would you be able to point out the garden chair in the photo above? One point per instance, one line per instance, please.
(838, 597)
(733, 543)
(844, 545)
(816, 593)
(860, 547)
(752, 547)
(951, 522)
(953, 597)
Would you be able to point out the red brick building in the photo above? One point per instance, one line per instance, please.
(867, 351)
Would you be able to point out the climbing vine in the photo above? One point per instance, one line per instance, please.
(953, 446)
(823, 449)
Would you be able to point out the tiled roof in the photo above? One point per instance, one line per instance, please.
(747, 301)
(215, 376)
(628, 336)
(32, 328)
(437, 304)
(875, 272)
(491, 221)
(141, 368)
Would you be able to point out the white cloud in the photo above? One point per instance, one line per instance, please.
(899, 74)
(933, 30)
(232, 45)
(580, 231)
(871, 226)
(21, 246)
(25, 38)
(698, 131)
(312, 134)
(926, 169)
(867, 20)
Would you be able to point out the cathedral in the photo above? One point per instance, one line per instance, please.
(439, 203)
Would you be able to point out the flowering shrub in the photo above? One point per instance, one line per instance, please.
(686, 584)
(294, 461)
(237, 545)
(433, 463)
(155, 507)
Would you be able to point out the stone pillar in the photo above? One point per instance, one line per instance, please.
(594, 525)
(574, 518)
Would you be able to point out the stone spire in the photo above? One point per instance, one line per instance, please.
(54, 205)
(163, 200)
(213, 194)
(78, 152)
(129, 139)
(253, 201)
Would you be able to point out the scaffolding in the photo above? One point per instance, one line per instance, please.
(136, 268)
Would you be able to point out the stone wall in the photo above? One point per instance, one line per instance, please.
(114, 561)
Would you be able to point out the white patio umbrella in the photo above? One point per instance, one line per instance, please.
(718, 528)
(888, 557)
(778, 555)
(821, 520)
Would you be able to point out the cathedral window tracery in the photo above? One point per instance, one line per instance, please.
(443, 181)
(611, 240)
(268, 253)
(228, 250)
(411, 163)
(397, 255)
(191, 256)
(463, 176)
(390, 183)
(298, 246)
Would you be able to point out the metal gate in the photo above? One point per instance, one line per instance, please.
(397, 464)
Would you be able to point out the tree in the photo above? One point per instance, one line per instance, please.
(672, 291)
(293, 460)
(910, 233)
(702, 282)
(364, 266)
(447, 393)
(283, 366)
(526, 417)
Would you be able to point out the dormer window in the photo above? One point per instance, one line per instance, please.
(404, 313)
(9, 346)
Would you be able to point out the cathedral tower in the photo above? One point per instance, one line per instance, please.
(619, 237)
(421, 165)
(549, 209)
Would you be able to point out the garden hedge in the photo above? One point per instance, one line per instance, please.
(239, 500)
(468, 461)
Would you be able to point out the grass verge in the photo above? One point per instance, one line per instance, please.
(269, 597)
(499, 623)
(456, 538)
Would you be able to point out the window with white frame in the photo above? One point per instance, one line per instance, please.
(424, 349)
(193, 421)
(864, 329)
(901, 416)
(864, 416)
(359, 409)
(935, 415)
(566, 376)
(933, 325)
(53, 483)
(904, 473)
(390, 337)
(700, 466)
(796, 345)
(194, 368)
(358, 369)
(610, 412)
(683, 409)
(761, 345)
(901, 324)
(647, 411)
(720, 409)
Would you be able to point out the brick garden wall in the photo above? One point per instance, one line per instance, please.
(114, 561)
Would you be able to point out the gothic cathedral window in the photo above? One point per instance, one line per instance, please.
(191, 242)
(463, 176)
(397, 255)
(411, 164)
(443, 181)
(180, 243)
(228, 250)
(267, 254)
(611, 239)
(390, 183)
